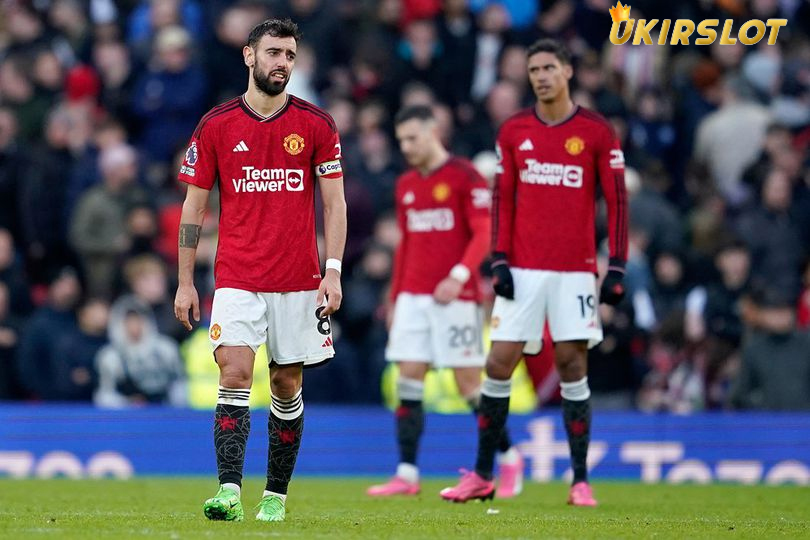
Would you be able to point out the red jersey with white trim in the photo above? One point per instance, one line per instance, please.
(545, 191)
(438, 215)
(266, 169)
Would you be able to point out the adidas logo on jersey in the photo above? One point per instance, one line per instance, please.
(327, 343)
(241, 147)
(526, 145)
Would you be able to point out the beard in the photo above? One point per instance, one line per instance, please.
(269, 86)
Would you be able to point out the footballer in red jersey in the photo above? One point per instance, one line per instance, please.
(265, 151)
(544, 256)
(443, 209)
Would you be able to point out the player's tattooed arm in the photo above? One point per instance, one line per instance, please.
(189, 235)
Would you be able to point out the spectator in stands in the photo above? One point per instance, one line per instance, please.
(26, 31)
(147, 286)
(493, 27)
(714, 320)
(651, 131)
(98, 227)
(614, 367)
(140, 365)
(654, 215)
(151, 16)
(670, 285)
(775, 370)
(142, 230)
(591, 77)
(420, 58)
(70, 19)
(729, 139)
(12, 168)
(321, 28)
(12, 274)
(35, 356)
(170, 97)
(777, 139)
(9, 341)
(42, 195)
(502, 102)
(774, 237)
(48, 76)
(458, 35)
(224, 64)
(18, 91)
(378, 169)
(85, 173)
(113, 61)
(74, 353)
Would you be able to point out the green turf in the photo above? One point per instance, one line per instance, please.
(338, 508)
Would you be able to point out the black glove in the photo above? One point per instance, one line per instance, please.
(502, 276)
(613, 289)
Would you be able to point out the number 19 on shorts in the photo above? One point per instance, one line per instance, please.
(587, 305)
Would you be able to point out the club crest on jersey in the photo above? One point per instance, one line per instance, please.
(574, 145)
(216, 331)
(294, 144)
(191, 154)
(441, 192)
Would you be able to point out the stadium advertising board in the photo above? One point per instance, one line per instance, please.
(77, 442)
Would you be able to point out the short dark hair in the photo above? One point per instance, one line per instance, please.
(414, 112)
(732, 243)
(276, 28)
(552, 46)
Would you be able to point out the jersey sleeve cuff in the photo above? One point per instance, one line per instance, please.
(616, 264)
(460, 273)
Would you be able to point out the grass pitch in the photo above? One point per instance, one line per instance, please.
(171, 508)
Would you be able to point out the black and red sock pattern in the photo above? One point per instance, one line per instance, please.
(577, 420)
(504, 443)
(285, 441)
(231, 429)
(491, 427)
(410, 423)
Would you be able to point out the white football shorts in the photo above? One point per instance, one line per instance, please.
(289, 323)
(441, 335)
(567, 300)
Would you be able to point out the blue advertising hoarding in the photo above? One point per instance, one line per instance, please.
(79, 441)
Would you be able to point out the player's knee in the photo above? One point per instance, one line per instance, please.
(285, 384)
(235, 379)
(233, 375)
(468, 381)
(572, 363)
(502, 360)
(497, 368)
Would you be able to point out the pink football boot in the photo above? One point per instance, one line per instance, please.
(581, 495)
(395, 486)
(470, 487)
(510, 479)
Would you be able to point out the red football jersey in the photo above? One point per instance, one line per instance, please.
(266, 169)
(545, 191)
(437, 215)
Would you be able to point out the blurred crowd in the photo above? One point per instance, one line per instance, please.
(98, 99)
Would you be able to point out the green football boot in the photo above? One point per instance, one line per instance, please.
(271, 508)
(225, 505)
